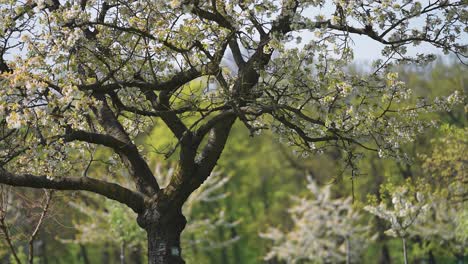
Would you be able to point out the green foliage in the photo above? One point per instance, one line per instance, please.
(446, 164)
(121, 222)
(264, 173)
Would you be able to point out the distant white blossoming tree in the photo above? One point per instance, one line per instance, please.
(447, 226)
(407, 210)
(324, 230)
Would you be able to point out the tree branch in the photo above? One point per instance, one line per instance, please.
(141, 173)
(45, 209)
(94, 138)
(206, 127)
(112, 191)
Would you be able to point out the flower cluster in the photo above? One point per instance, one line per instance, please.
(405, 212)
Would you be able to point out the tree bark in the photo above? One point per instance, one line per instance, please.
(122, 253)
(84, 254)
(431, 258)
(135, 255)
(384, 255)
(106, 254)
(163, 234)
(405, 255)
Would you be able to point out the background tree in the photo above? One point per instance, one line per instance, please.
(407, 209)
(325, 230)
(444, 171)
(101, 72)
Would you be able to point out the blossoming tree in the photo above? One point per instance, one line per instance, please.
(325, 230)
(445, 170)
(408, 209)
(77, 75)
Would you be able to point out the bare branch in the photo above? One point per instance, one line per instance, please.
(48, 197)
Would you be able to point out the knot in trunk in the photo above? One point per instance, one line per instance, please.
(149, 217)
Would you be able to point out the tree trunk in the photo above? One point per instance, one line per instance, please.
(405, 255)
(460, 258)
(235, 248)
(122, 252)
(135, 255)
(84, 254)
(385, 255)
(431, 258)
(105, 254)
(163, 233)
(164, 245)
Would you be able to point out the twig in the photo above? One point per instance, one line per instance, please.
(5, 230)
(3, 225)
(48, 196)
